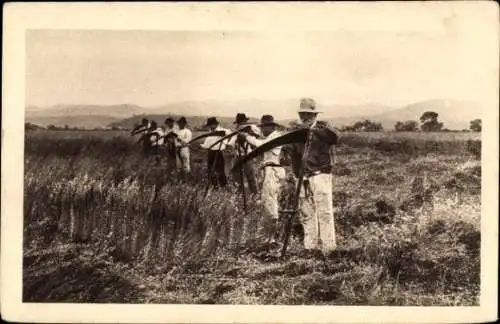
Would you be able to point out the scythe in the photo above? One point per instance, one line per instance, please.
(138, 129)
(236, 132)
(214, 133)
(297, 136)
(303, 135)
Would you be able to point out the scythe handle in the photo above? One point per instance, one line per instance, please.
(242, 177)
(211, 172)
(289, 220)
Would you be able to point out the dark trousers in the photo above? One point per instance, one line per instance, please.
(249, 174)
(216, 168)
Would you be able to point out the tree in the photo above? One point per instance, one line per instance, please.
(407, 126)
(429, 122)
(365, 126)
(475, 125)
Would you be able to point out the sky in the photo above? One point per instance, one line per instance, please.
(154, 68)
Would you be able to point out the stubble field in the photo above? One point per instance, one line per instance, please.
(102, 224)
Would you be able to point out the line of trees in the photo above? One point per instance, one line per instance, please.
(428, 122)
(29, 126)
(364, 126)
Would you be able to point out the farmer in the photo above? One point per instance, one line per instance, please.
(315, 200)
(156, 138)
(184, 135)
(141, 128)
(241, 148)
(169, 144)
(215, 158)
(273, 175)
(147, 139)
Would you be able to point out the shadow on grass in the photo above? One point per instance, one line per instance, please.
(68, 277)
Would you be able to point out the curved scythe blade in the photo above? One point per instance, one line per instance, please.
(215, 133)
(296, 136)
(229, 136)
(137, 130)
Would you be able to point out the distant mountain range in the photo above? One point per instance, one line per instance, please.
(454, 114)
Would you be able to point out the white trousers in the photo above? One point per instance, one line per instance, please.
(182, 159)
(316, 213)
(271, 186)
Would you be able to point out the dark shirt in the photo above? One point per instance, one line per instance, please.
(320, 157)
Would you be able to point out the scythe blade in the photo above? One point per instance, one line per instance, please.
(296, 136)
(229, 136)
(215, 133)
(137, 130)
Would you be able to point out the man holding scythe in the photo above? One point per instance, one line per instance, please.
(309, 148)
(169, 143)
(242, 148)
(215, 157)
(273, 175)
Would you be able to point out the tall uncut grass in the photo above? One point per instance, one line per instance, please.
(99, 191)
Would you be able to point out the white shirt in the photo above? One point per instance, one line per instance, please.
(271, 156)
(232, 141)
(183, 137)
(212, 139)
(157, 133)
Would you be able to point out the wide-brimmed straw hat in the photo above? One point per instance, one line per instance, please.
(308, 105)
(267, 120)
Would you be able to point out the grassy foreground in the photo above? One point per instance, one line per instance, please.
(104, 225)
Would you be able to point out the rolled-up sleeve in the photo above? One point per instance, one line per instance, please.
(254, 141)
(326, 133)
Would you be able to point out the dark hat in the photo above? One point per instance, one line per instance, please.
(169, 120)
(267, 120)
(182, 120)
(153, 124)
(144, 121)
(241, 118)
(211, 121)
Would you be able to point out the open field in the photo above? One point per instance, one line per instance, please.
(102, 224)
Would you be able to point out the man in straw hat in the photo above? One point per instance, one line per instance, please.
(315, 199)
(273, 175)
(215, 159)
(241, 148)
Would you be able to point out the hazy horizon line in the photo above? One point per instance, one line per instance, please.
(319, 103)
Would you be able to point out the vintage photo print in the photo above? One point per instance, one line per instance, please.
(250, 162)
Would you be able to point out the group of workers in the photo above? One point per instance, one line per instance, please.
(311, 160)
(173, 140)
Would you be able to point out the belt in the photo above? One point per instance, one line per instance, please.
(313, 173)
(272, 164)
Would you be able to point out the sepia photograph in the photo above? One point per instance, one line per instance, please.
(248, 164)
